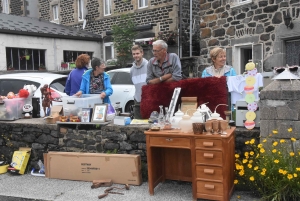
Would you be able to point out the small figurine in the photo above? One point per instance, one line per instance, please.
(46, 98)
(27, 111)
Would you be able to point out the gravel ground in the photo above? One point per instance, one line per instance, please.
(32, 188)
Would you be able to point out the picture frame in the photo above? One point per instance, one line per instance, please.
(86, 114)
(99, 113)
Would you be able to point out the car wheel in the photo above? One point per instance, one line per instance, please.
(129, 107)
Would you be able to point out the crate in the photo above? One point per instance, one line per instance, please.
(12, 109)
(72, 105)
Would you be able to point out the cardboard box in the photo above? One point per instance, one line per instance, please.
(20, 159)
(123, 121)
(120, 168)
(56, 111)
(190, 104)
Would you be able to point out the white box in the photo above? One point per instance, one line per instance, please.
(119, 120)
(72, 104)
(12, 109)
(241, 110)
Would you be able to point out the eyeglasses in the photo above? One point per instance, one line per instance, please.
(155, 51)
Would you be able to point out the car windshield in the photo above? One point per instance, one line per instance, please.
(59, 84)
(14, 85)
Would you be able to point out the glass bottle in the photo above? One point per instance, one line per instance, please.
(161, 117)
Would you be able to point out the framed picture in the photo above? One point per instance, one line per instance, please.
(86, 114)
(99, 113)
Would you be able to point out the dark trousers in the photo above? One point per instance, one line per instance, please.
(137, 110)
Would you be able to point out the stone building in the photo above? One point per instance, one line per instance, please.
(265, 31)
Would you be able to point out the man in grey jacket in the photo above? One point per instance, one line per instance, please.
(138, 74)
(164, 66)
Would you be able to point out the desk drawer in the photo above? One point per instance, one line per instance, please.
(210, 188)
(209, 173)
(209, 157)
(208, 143)
(170, 142)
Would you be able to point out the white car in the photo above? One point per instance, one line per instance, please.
(16, 81)
(123, 88)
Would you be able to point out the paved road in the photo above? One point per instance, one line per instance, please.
(32, 188)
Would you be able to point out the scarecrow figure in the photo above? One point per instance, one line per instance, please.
(46, 97)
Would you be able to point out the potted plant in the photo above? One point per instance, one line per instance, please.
(64, 64)
(72, 65)
(42, 67)
(26, 55)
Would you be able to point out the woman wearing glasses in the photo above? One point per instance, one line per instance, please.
(164, 66)
(96, 81)
(219, 67)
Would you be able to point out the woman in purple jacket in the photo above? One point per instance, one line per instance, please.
(75, 76)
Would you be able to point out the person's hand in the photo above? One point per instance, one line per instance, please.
(102, 95)
(218, 76)
(78, 94)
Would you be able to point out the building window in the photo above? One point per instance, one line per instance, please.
(143, 3)
(80, 10)
(5, 6)
(24, 59)
(107, 7)
(55, 12)
(109, 51)
(71, 56)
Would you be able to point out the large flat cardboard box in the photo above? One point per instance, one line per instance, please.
(120, 168)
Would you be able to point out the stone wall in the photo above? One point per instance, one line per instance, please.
(41, 138)
(16, 7)
(259, 22)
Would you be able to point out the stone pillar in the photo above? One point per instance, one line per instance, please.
(280, 109)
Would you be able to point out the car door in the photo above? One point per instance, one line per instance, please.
(123, 89)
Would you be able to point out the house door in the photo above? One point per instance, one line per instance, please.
(293, 52)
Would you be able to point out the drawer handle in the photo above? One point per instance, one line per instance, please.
(207, 155)
(169, 139)
(209, 186)
(209, 171)
(208, 144)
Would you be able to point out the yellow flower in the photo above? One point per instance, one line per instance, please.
(251, 178)
(290, 130)
(276, 161)
(237, 155)
(249, 165)
(293, 139)
(264, 140)
(290, 176)
(251, 153)
(298, 169)
(246, 153)
(252, 141)
(241, 173)
(280, 171)
(292, 154)
(255, 168)
(284, 172)
(247, 142)
(295, 175)
(282, 141)
(262, 150)
(275, 144)
(274, 150)
(275, 131)
(250, 161)
(259, 145)
(236, 181)
(263, 173)
(245, 160)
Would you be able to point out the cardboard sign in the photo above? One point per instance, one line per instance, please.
(20, 159)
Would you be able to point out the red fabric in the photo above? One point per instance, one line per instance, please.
(211, 89)
(23, 93)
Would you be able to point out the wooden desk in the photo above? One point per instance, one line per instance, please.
(205, 160)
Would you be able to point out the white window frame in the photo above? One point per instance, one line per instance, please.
(142, 4)
(80, 10)
(55, 12)
(5, 6)
(107, 4)
(109, 44)
(237, 3)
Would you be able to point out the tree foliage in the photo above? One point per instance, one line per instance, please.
(124, 34)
